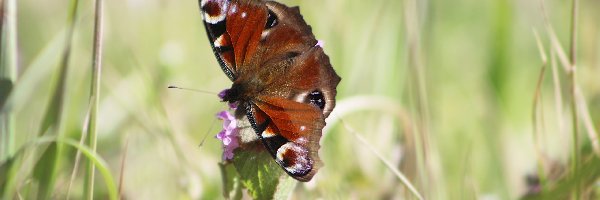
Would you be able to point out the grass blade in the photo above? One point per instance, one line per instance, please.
(419, 97)
(574, 110)
(537, 109)
(383, 105)
(84, 132)
(45, 170)
(86, 151)
(122, 170)
(8, 73)
(25, 89)
(388, 164)
(94, 96)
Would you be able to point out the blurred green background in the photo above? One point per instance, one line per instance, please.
(444, 90)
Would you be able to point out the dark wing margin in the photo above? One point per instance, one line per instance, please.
(290, 131)
(214, 13)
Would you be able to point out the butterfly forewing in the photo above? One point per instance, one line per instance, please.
(233, 29)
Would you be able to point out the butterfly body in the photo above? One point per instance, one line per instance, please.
(282, 79)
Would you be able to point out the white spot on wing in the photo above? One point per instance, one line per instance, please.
(301, 97)
(329, 101)
(264, 34)
(301, 140)
(267, 134)
(219, 41)
(301, 162)
(233, 8)
(215, 19)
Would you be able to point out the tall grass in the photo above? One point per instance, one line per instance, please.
(8, 73)
(435, 101)
(94, 95)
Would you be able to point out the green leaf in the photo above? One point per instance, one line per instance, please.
(45, 170)
(263, 178)
(10, 168)
(232, 184)
(5, 169)
(285, 187)
(6, 86)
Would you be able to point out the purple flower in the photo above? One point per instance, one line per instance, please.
(229, 121)
(229, 134)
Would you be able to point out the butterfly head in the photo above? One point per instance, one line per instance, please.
(240, 92)
(231, 95)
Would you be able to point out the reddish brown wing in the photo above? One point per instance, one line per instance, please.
(286, 80)
(234, 29)
(293, 111)
(291, 134)
(310, 79)
(213, 15)
(247, 34)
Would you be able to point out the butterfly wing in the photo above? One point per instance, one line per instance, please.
(289, 116)
(268, 47)
(290, 131)
(247, 34)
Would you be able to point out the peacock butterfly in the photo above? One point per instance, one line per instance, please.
(282, 79)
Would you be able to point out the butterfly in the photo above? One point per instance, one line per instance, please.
(282, 79)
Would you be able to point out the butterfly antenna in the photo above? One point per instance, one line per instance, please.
(189, 89)
(212, 124)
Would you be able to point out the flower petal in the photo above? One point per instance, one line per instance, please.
(223, 115)
(227, 154)
(221, 135)
(226, 141)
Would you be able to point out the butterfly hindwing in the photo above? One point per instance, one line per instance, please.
(292, 112)
(290, 132)
(309, 79)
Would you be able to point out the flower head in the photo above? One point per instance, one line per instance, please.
(229, 134)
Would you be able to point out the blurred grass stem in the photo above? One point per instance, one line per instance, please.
(94, 95)
(8, 73)
(419, 93)
(538, 109)
(573, 87)
(387, 163)
(45, 171)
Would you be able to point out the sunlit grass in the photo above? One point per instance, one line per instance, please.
(461, 97)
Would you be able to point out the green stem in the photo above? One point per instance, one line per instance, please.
(95, 96)
(572, 77)
(8, 74)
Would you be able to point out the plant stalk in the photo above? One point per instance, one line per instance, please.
(573, 87)
(94, 95)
